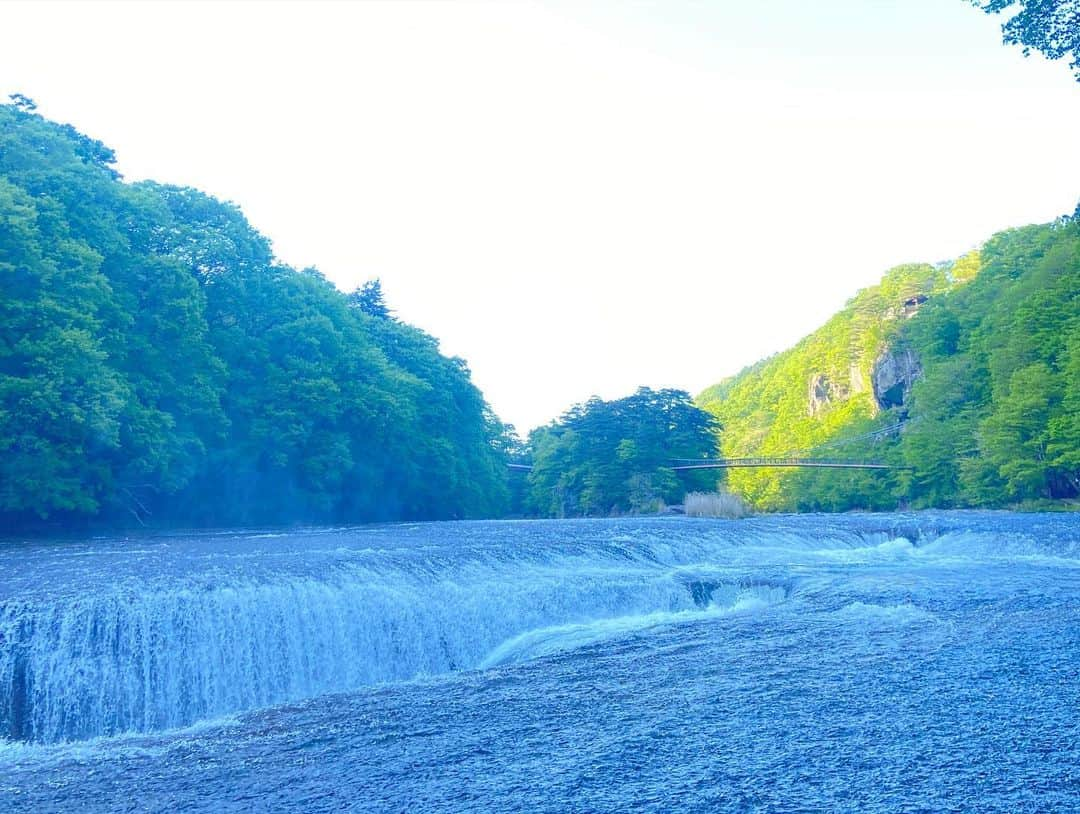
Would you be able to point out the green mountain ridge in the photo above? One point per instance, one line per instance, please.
(158, 365)
(977, 360)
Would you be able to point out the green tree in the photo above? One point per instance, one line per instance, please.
(612, 457)
(1015, 435)
(22, 103)
(1051, 27)
(60, 403)
(369, 299)
(992, 418)
(157, 364)
(1063, 428)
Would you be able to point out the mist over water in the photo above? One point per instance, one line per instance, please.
(873, 662)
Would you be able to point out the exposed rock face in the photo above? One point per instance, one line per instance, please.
(855, 374)
(912, 304)
(823, 392)
(895, 370)
(818, 396)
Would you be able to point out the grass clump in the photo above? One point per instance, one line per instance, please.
(714, 504)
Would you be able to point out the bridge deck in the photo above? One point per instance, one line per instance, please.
(682, 464)
(821, 463)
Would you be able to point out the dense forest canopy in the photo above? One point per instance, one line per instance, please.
(158, 364)
(615, 457)
(976, 363)
(966, 375)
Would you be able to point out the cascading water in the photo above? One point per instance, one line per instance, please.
(139, 661)
(869, 662)
(198, 628)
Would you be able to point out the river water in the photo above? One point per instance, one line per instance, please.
(908, 662)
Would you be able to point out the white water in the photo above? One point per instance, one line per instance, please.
(158, 633)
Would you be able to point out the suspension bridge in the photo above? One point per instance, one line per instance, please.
(686, 464)
(678, 464)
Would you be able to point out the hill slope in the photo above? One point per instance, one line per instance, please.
(158, 364)
(978, 361)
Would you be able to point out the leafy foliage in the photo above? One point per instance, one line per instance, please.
(369, 299)
(1051, 27)
(1001, 398)
(991, 421)
(803, 401)
(157, 362)
(614, 457)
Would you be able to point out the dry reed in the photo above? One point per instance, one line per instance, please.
(714, 504)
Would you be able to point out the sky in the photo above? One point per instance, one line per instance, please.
(578, 198)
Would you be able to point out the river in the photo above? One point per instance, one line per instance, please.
(880, 663)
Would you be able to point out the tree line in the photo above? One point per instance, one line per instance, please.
(615, 457)
(991, 419)
(159, 365)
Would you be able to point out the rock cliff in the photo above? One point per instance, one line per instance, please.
(894, 371)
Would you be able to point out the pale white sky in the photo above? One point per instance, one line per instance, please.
(578, 198)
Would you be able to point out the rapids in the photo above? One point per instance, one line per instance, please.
(861, 662)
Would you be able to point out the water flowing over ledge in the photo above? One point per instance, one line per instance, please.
(156, 633)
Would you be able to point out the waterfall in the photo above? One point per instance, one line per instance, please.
(165, 656)
(113, 636)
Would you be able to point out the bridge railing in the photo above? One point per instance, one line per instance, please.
(731, 463)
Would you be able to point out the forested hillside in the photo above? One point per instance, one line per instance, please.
(970, 369)
(615, 457)
(158, 365)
